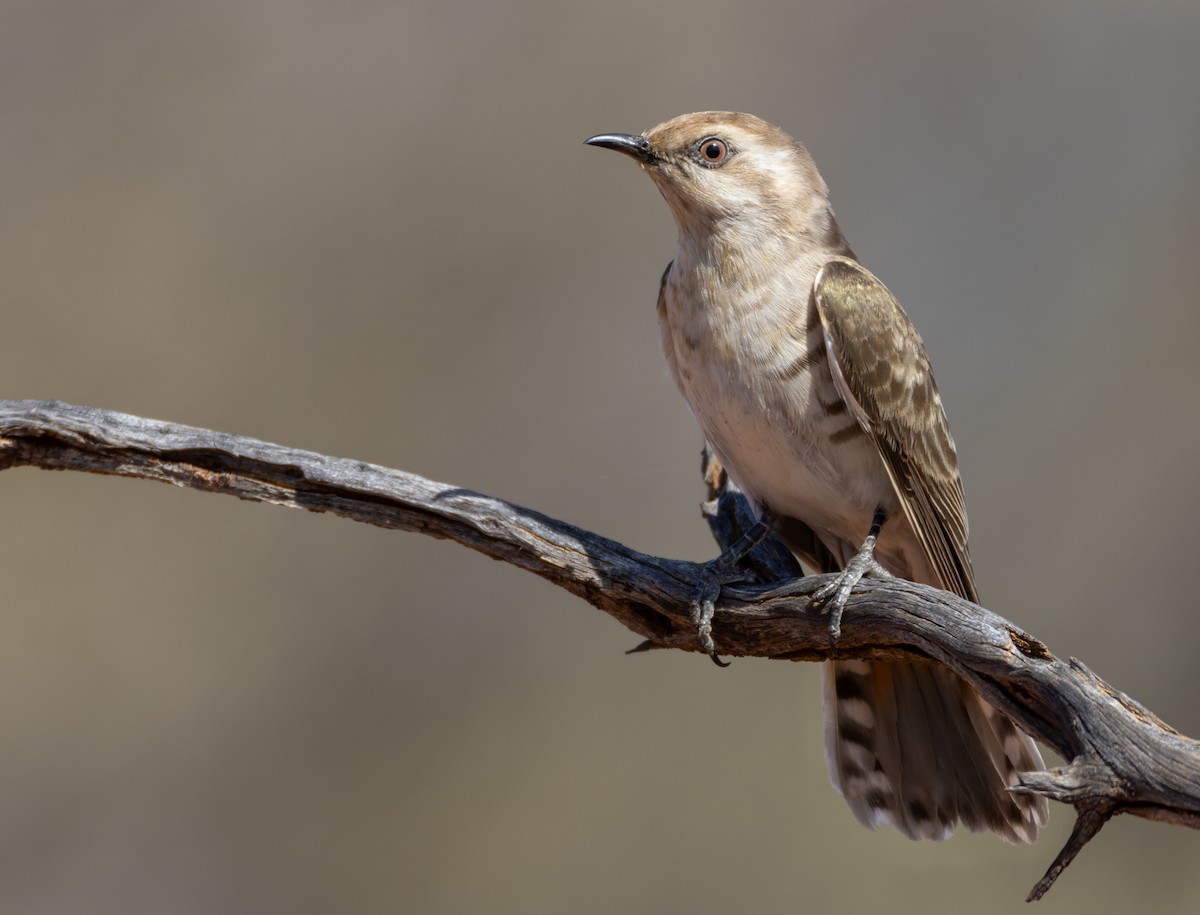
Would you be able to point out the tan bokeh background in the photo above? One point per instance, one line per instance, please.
(371, 229)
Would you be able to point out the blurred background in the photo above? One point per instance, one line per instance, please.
(371, 229)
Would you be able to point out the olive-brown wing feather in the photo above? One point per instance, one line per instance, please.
(882, 372)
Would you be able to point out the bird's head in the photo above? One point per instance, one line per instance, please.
(722, 172)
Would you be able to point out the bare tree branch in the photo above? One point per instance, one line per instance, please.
(1123, 759)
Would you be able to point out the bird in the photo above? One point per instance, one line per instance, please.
(813, 389)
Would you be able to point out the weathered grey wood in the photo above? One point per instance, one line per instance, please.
(1123, 759)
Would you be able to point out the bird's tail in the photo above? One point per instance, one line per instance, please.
(913, 745)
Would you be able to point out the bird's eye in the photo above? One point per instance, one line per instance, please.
(713, 151)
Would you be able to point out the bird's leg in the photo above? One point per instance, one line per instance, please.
(723, 570)
(831, 598)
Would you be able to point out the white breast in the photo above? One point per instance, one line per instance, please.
(734, 359)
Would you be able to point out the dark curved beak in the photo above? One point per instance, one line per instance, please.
(637, 147)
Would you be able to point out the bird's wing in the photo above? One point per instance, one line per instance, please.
(881, 370)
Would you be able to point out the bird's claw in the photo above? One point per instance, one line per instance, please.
(713, 577)
(717, 573)
(831, 597)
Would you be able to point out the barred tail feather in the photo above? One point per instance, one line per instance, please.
(913, 746)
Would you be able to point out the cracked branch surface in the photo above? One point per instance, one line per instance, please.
(1123, 759)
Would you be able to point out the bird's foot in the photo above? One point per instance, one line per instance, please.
(713, 577)
(718, 573)
(831, 598)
